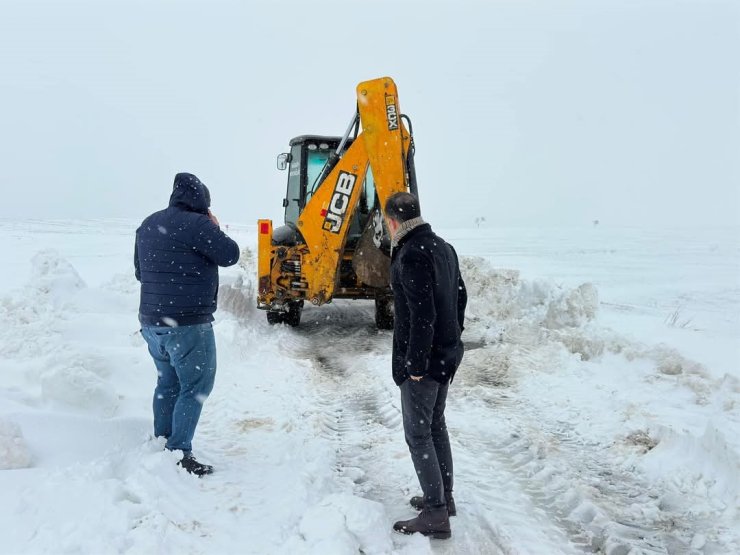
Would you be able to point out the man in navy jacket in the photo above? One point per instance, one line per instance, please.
(429, 303)
(176, 257)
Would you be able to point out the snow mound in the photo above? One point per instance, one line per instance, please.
(248, 262)
(500, 295)
(79, 381)
(14, 452)
(238, 298)
(47, 326)
(343, 523)
(35, 313)
(536, 323)
(54, 277)
(26, 317)
(705, 467)
(574, 308)
(672, 363)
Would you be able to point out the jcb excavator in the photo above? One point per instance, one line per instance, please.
(334, 243)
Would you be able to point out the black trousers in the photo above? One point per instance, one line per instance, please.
(423, 408)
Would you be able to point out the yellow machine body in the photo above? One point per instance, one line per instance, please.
(309, 269)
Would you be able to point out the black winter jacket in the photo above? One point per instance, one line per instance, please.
(430, 300)
(176, 258)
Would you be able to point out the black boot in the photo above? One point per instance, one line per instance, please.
(430, 522)
(189, 463)
(417, 502)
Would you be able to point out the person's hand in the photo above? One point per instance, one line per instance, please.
(417, 378)
(213, 218)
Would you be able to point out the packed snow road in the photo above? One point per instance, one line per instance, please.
(522, 483)
(361, 416)
(569, 435)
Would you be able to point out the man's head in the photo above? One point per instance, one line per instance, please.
(190, 193)
(399, 208)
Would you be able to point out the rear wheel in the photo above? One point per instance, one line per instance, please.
(384, 313)
(274, 317)
(293, 316)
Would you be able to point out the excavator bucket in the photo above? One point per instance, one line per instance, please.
(371, 262)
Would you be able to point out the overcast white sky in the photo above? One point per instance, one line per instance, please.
(546, 112)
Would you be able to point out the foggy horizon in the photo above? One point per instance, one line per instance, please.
(534, 113)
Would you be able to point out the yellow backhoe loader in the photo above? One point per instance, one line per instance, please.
(334, 242)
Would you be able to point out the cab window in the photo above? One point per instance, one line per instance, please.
(294, 206)
(314, 164)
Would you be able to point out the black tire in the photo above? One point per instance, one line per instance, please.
(293, 316)
(275, 317)
(384, 313)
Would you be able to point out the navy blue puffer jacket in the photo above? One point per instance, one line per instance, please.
(177, 254)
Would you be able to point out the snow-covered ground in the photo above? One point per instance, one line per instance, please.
(597, 408)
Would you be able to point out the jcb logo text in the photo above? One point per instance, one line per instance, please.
(339, 202)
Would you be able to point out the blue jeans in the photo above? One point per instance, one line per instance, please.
(185, 358)
(423, 408)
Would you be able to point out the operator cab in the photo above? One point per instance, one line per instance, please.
(307, 163)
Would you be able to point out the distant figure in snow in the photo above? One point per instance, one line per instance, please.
(429, 303)
(176, 256)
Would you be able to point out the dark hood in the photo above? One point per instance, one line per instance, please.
(189, 193)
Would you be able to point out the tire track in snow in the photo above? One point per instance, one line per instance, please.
(487, 491)
(360, 413)
(612, 509)
(514, 493)
(355, 412)
(599, 507)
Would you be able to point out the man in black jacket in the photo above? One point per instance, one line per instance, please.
(429, 302)
(176, 257)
